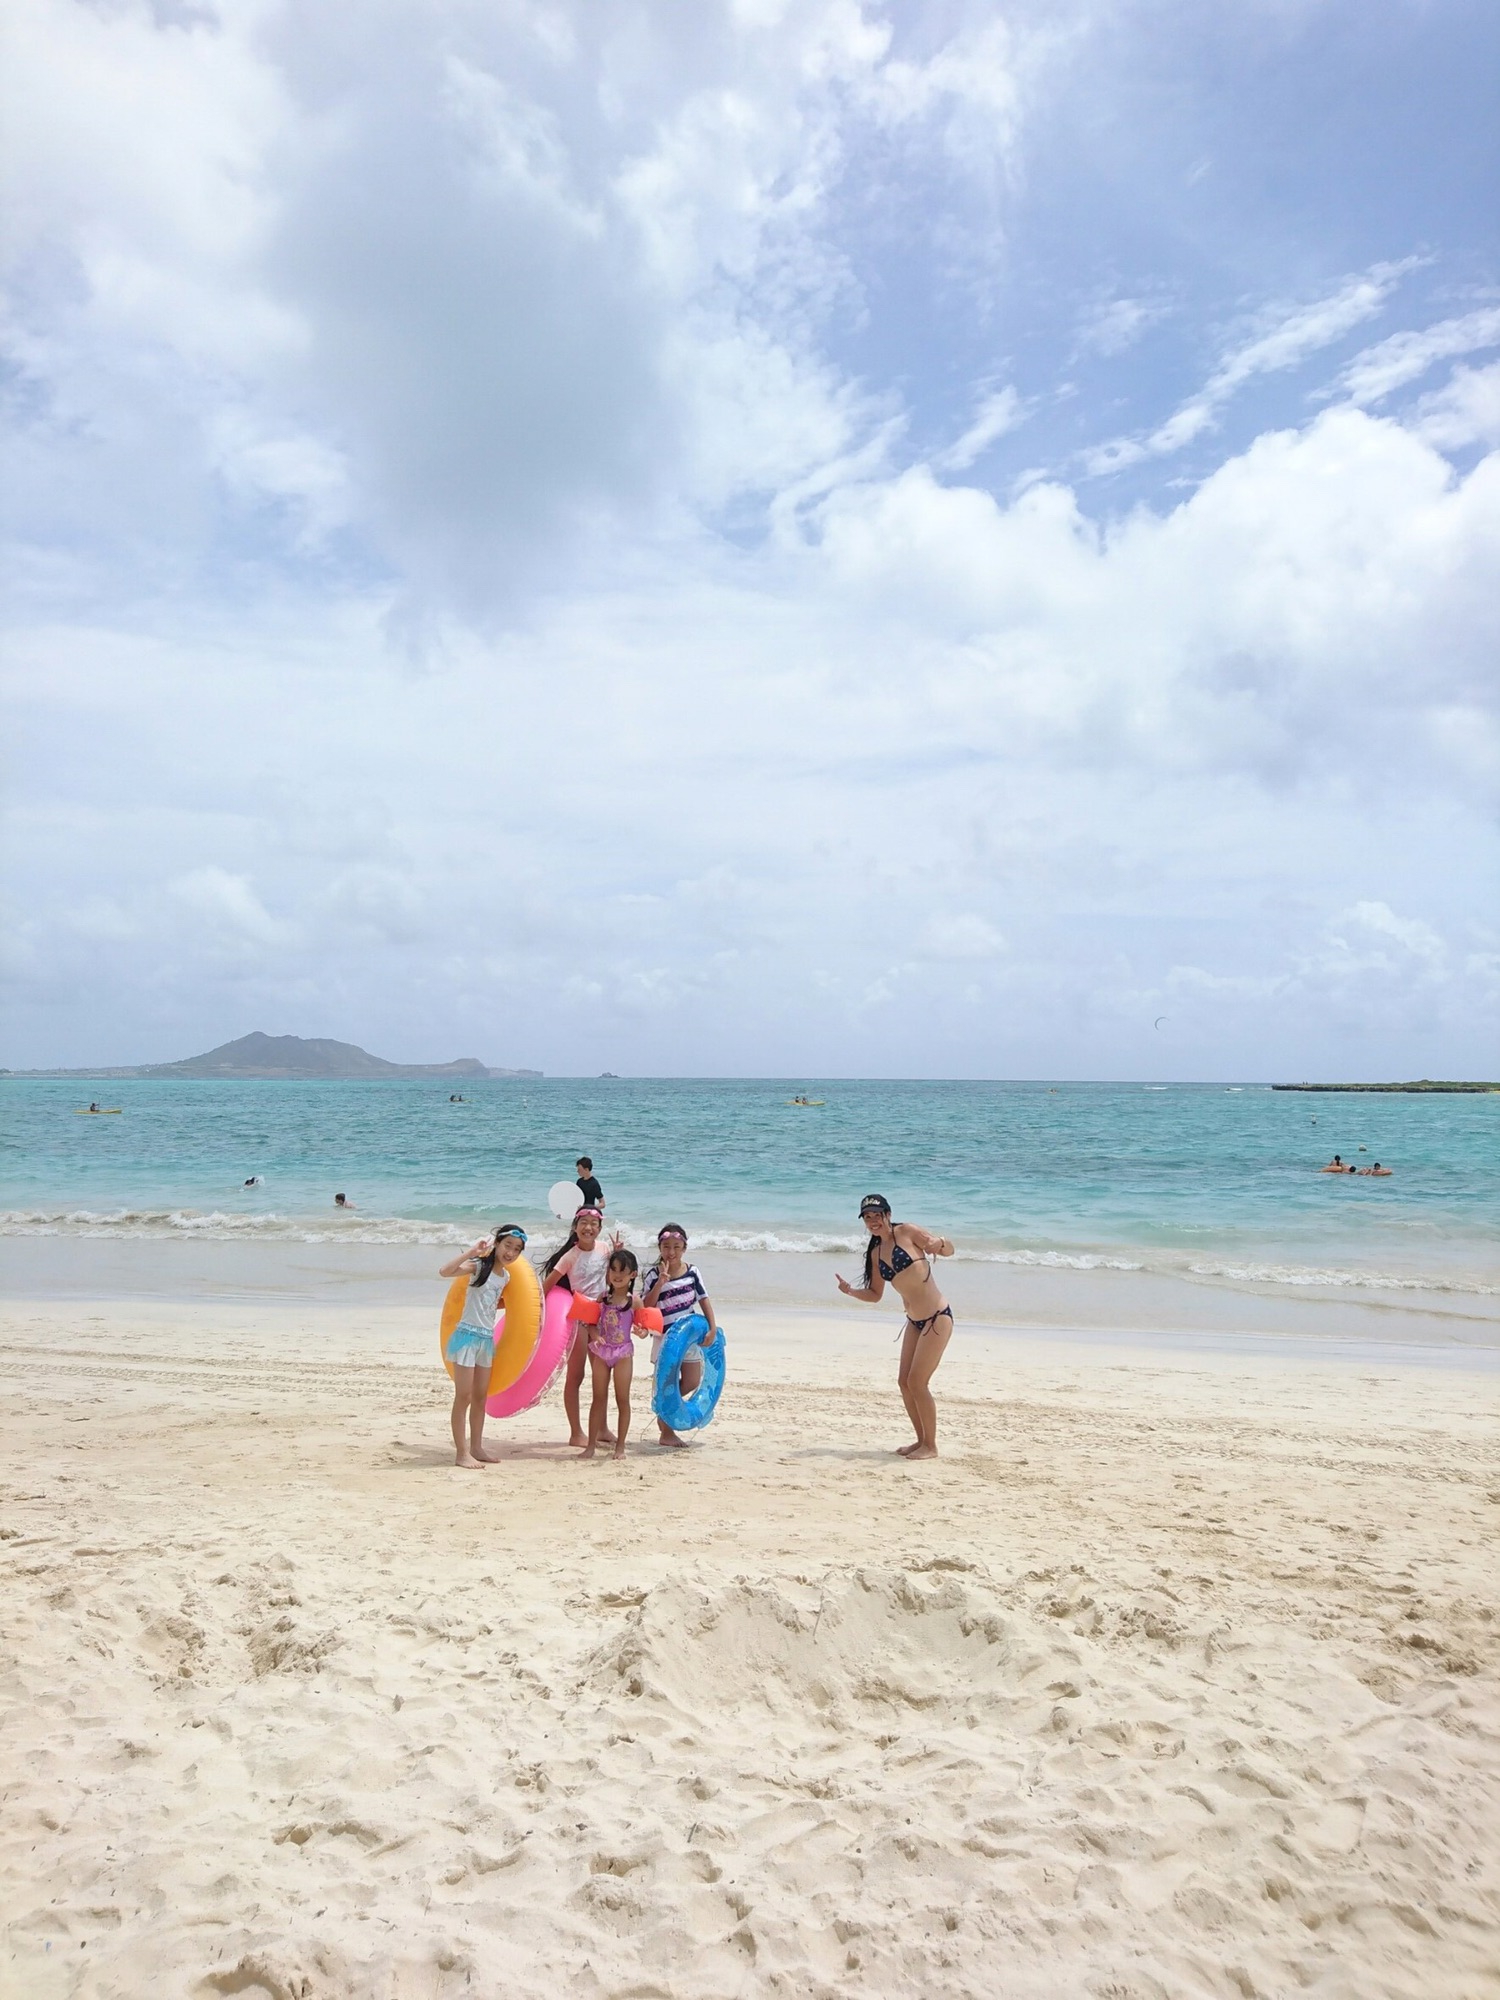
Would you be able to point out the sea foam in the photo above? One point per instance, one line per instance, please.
(215, 1225)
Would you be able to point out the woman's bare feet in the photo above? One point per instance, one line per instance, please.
(486, 1456)
(671, 1440)
(619, 1450)
(921, 1451)
(577, 1441)
(468, 1462)
(587, 1452)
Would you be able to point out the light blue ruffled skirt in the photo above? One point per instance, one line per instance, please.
(470, 1347)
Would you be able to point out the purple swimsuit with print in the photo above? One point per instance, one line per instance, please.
(611, 1340)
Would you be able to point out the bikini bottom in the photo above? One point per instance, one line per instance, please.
(921, 1325)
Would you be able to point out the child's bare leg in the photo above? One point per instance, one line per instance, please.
(599, 1404)
(477, 1416)
(463, 1391)
(690, 1375)
(578, 1356)
(578, 1361)
(622, 1372)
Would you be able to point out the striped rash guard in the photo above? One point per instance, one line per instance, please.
(677, 1295)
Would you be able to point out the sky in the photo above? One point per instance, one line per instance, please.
(725, 537)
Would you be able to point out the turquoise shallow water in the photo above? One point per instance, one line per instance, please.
(1205, 1177)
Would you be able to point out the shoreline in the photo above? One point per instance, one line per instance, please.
(1055, 1302)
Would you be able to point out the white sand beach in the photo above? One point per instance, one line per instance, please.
(1175, 1675)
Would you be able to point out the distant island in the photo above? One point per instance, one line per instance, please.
(1425, 1084)
(290, 1058)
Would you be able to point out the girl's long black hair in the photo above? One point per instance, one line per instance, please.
(557, 1256)
(486, 1263)
(873, 1245)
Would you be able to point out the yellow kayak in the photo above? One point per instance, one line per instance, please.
(104, 1111)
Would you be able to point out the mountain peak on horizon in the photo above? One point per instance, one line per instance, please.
(261, 1055)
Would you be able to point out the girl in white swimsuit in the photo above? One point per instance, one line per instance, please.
(583, 1262)
(471, 1345)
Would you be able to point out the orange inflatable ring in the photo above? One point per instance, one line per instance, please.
(516, 1329)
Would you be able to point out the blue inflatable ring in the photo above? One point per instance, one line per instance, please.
(671, 1407)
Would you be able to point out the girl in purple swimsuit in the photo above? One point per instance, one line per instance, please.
(611, 1353)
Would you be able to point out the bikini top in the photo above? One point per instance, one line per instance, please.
(900, 1261)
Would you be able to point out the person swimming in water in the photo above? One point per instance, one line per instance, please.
(892, 1258)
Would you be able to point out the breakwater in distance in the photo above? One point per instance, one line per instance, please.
(1426, 1084)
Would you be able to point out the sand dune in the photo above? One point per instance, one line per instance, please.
(1173, 1677)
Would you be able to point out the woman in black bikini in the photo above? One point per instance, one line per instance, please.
(900, 1254)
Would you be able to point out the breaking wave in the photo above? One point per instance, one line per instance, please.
(1369, 1281)
(165, 1224)
(216, 1225)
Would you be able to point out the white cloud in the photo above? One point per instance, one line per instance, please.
(960, 936)
(1288, 340)
(228, 904)
(1420, 939)
(1118, 324)
(301, 472)
(998, 413)
(470, 572)
(1390, 364)
(1465, 411)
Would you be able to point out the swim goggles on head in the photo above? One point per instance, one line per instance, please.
(516, 1232)
(588, 1209)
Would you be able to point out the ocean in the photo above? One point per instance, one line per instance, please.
(1213, 1180)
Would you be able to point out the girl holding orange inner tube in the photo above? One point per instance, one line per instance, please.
(471, 1345)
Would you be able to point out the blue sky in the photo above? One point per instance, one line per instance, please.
(752, 538)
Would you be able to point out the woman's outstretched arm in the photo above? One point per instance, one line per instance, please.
(911, 1238)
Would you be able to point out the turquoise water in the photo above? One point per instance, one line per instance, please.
(1204, 1177)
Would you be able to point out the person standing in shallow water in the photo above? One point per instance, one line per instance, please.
(900, 1255)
